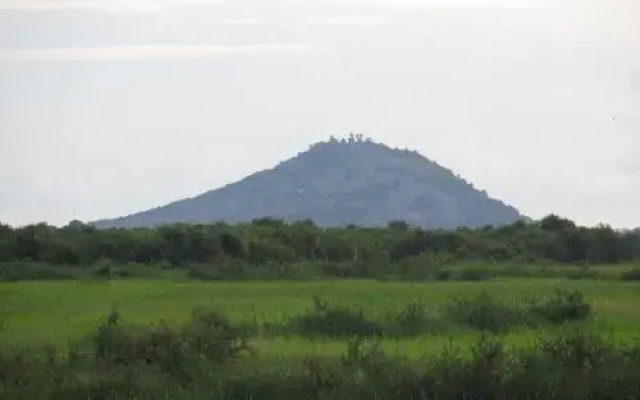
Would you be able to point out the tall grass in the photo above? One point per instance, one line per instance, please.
(56, 312)
(154, 348)
(208, 358)
(481, 312)
(332, 321)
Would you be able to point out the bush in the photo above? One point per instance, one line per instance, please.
(336, 269)
(213, 337)
(474, 273)
(411, 320)
(193, 362)
(18, 271)
(204, 273)
(581, 273)
(103, 270)
(515, 271)
(563, 306)
(633, 275)
(225, 269)
(334, 322)
(482, 313)
(207, 337)
(442, 274)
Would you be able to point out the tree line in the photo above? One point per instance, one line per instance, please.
(272, 241)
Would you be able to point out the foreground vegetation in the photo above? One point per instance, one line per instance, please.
(344, 339)
(209, 358)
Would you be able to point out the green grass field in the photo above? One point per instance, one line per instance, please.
(35, 313)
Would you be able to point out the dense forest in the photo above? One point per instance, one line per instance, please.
(274, 242)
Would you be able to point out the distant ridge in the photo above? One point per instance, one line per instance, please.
(339, 182)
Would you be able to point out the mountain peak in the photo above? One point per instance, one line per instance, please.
(351, 180)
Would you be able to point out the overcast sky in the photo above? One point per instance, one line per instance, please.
(108, 107)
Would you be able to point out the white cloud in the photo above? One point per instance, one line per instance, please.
(141, 52)
(429, 3)
(118, 6)
(467, 3)
(370, 21)
(154, 5)
(241, 21)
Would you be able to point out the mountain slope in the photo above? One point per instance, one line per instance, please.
(336, 183)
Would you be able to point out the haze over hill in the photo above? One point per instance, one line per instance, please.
(334, 183)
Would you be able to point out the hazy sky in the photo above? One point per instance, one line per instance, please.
(109, 107)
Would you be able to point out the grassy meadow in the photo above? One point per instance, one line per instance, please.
(551, 332)
(61, 312)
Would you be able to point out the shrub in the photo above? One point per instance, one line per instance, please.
(482, 313)
(185, 363)
(103, 272)
(412, 319)
(483, 375)
(473, 273)
(442, 274)
(206, 337)
(333, 321)
(426, 265)
(337, 269)
(204, 273)
(563, 306)
(515, 270)
(576, 349)
(224, 269)
(213, 337)
(111, 341)
(633, 275)
(581, 273)
(18, 271)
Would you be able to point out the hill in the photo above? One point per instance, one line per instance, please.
(340, 182)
